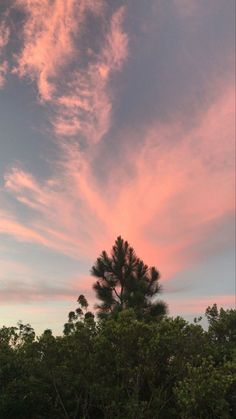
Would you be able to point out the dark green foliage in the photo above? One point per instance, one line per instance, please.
(222, 324)
(125, 365)
(124, 281)
(76, 317)
(124, 368)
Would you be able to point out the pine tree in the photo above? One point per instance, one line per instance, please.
(124, 281)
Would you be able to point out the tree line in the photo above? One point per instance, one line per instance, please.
(131, 361)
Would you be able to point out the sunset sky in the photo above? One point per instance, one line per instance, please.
(117, 118)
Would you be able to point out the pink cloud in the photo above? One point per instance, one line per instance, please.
(196, 306)
(9, 268)
(49, 34)
(116, 46)
(10, 226)
(64, 210)
(21, 292)
(181, 189)
(183, 183)
(86, 106)
(54, 45)
(3, 73)
(19, 285)
(4, 39)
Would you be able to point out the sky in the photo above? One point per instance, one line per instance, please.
(116, 118)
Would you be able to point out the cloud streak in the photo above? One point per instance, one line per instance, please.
(86, 106)
(54, 45)
(49, 36)
(168, 189)
(183, 187)
(197, 306)
(15, 287)
(4, 39)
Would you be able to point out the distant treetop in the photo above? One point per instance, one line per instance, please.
(125, 281)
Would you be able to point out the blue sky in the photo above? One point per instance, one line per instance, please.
(116, 118)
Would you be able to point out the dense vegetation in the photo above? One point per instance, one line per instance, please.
(132, 363)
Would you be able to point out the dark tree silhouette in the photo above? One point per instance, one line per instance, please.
(124, 281)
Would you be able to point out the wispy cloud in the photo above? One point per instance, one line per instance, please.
(169, 190)
(4, 39)
(22, 290)
(65, 214)
(86, 106)
(53, 44)
(54, 47)
(183, 183)
(50, 32)
(180, 181)
(197, 306)
(11, 226)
